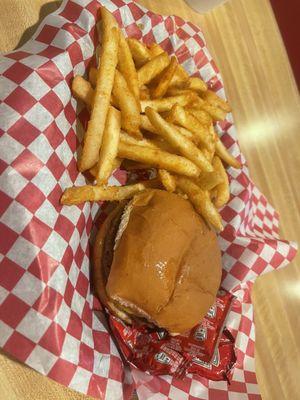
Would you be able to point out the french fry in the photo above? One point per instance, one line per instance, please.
(107, 18)
(180, 78)
(222, 189)
(164, 82)
(77, 195)
(167, 103)
(130, 115)
(167, 180)
(140, 53)
(179, 142)
(213, 99)
(175, 91)
(144, 93)
(147, 126)
(159, 159)
(83, 90)
(223, 153)
(153, 68)
(93, 76)
(155, 49)
(209, 180)
(202, 116)
(180, 116)
(116, 164)
(105, 80)
(127, 139)
(201, 201)
(197, 84)
(216, 113)
(109, 147)
(162, 145)
(127, 68)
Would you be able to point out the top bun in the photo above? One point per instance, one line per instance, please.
(166, 263)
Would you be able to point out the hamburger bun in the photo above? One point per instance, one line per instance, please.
(156, 260)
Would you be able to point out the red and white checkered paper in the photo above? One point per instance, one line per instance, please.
(49, 319)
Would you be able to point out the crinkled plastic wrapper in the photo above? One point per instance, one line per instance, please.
(49, 319)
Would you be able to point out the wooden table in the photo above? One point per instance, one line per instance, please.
(243, 37)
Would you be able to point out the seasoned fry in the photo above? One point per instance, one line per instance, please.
(213, 99)
(201, 201)
(152, 68)
(182, 144)
(222, 189)
(93, 76)
(130, 115)
(197, 84)
(216, 113)
(164, 82)
(155, 49)
(224, 154)
(167, 103)
(130, 165)
(180, 78)
(105, 79)
(140, 53)
(180, 116)
(83, 90)
(127, 68)
(77, 195)
(167, 180)
(175, 91)
(147, 126)
(144, 93)
(159, 159)
(209, 180)
(127, 139)
(116, 164)
(202, 116)
(109, 147)
(107, 18)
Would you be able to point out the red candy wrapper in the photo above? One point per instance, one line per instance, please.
(155, 351)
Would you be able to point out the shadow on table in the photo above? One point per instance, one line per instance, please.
(44, 11)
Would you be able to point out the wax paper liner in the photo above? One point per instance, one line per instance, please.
(49, 319)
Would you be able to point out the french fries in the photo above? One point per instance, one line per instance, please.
(140, 53)
(216, 101)
(83, 90)
(144, 93)
(197, 84)
(184, 145)
(223, 153)
(202, 116)
(159, 159)
(222, 189)
(109, 148)
(167, 180)
(105, 80)
(180, 116)
(167, 103)
(209, 180)
(130, 114)
(155, 50)
(93, 76)
(133, 84)
(147, 126)
(115, 165)
(201, 201)
(153, 68)
(127, 68)
(77, 195)
(164, 82)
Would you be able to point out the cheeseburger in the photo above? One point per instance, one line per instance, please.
(156, 262)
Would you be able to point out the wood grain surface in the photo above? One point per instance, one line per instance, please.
(244, 40)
